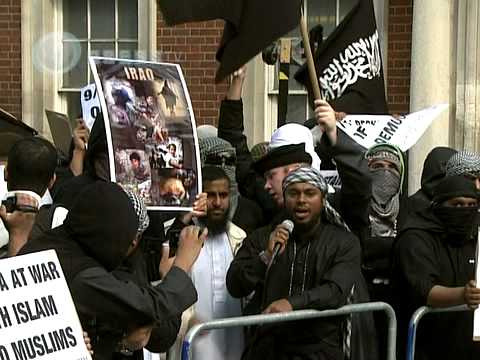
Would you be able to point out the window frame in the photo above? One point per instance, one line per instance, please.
(40, 89)
(89, 41)
(272, 92)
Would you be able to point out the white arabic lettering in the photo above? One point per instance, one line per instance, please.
(361, 59)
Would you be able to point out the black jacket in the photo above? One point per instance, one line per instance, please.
(433, 172)
(326, 264)
(250, 184)
(424, 258)
(111, 293)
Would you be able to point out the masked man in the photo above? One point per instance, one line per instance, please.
(386, 167)
(434, 265)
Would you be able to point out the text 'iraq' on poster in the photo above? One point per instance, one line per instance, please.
(150, 127)
(38, 319)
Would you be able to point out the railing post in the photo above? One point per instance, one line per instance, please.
(415, 319)
(296, 315)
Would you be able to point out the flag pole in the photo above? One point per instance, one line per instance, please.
(308, 53)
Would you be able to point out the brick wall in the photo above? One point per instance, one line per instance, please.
(10, 57)
(399, 55)
(193, 46)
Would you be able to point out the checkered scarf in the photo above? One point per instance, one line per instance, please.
(313, 177)
(211, 146)
(388, 152)
(140, 211)
(385, 204)
(463, 163)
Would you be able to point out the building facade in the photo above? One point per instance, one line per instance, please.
(429, 49)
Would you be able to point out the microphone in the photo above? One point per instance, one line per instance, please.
(287, 224)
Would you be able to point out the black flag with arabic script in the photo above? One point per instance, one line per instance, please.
(349, 65)
(250, 25)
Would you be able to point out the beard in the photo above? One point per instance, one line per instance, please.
(215, 226)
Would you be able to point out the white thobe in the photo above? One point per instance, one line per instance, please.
(214, 302)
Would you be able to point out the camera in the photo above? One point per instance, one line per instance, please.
(11, 205)
(173, 237)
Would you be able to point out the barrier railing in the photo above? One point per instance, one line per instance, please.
(295, 315)
(415, 319)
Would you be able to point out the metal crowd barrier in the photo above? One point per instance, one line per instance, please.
(295, 315)
(415, 319)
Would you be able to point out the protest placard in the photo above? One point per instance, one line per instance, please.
(151, 132)
(3, 191)
(403, 131)
(37, 314)
(90, 104)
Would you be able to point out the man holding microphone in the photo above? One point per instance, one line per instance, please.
(316, 267)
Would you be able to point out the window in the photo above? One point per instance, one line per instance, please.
(328, 13)
(94, 28)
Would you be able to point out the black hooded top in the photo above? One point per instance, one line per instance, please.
(423, 258)
(67, 194)
(97, 231)
(433, 172)
(92, 242)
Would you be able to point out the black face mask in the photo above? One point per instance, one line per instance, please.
(459, 222)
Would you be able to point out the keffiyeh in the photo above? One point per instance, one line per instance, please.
(313, 177)
(463, 163)
(140, 211)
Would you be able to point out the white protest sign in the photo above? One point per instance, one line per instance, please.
(3, 191)
(403, 131)
(37, 315)
(147, 355)
(90, 104)
(476, 313)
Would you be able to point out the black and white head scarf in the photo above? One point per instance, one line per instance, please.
(386, 189)
(313, 177)
(218, 152)
(463, 163)
(140, 211)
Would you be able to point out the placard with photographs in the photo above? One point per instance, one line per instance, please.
(151, 132)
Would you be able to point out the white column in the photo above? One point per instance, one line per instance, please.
(432, 76)
(467, 129)
(39, 84)
(381, 17)
(258, 128)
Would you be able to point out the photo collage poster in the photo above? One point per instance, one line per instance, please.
(151, 131)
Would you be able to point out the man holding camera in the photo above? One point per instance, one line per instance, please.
(29, 173)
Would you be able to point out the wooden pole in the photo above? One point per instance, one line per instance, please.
(283, 76)
(310, 63)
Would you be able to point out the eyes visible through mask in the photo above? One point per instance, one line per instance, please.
(382, 164)
(221, 159)
(461, 202)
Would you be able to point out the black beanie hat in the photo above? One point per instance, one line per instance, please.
(452, 187)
